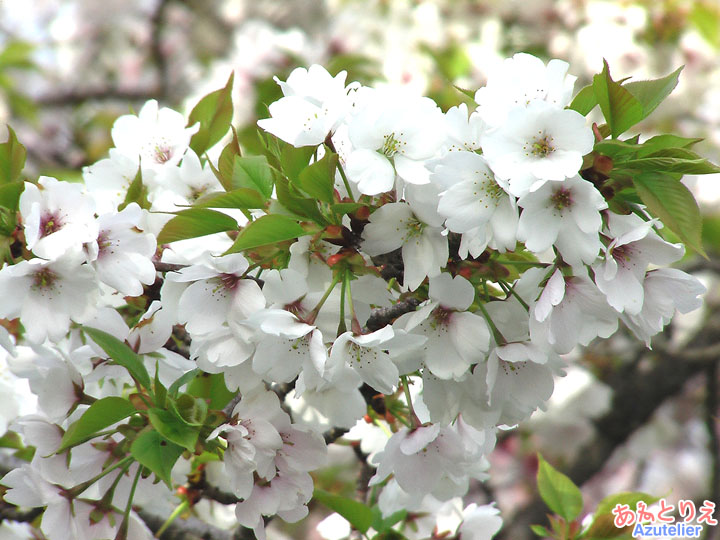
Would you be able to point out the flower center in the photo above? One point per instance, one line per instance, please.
(43, 279)
(163, 153)
(391, 145)
(542, 146)
(562, 198)
(440, 317)
(49, 224)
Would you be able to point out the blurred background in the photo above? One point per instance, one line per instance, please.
(624, 418)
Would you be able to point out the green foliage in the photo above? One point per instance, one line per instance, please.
(269, 229)
(214, 113)
(318, 179)
(624, 105)
(359, 515)
(157, 453)
(101, 414)
(705, 16)
(173, 428)
(669, 199)
(242, 198)
(253, 172)
(558, 491)
(137, 193)
(121, 355)
(195, 222)
(211, 387)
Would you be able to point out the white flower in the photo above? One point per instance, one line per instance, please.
(122, 254)
(665, 290)
(314, 104)
(521, 80)
(634, 246)
(424, 248)
(393, 132)
(474, 204)
(565, 214)
(537, 144)
(46, 295)
(463, 132)
(109, 179)
(571, 311)
(456, 338)
(182, 186)
(57, 217)
(156, 138)
(480, 522)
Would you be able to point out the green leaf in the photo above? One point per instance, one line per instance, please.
(159, 390)
(173, 429)
(121, 354)
(603, 525)
(224, 171)
(621, 108)
(253, 172)
(706, 18)
(187, 378)
(155, 452)
(237, 198)
(12, 158)
(584, 101)
(557, 490)
(381, 524)
(137, 193)
(359, 515)
(540, 530)
(345, 207)
(101, 414)
(661, 142)
(195, 222)
(673, 203)
(10, 195)
(318, 179)
(651, 93)
(268, 229)
(673, 160)
(211, 387)
(11, 440)
(302, 207)
(17, 54)
(294, 160)
(214, 112)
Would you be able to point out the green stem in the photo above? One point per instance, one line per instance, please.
(499, 338)
(406, 388)
(345, 181)
(77, 490)
(110, 493)
(510, 290)
(342, 327)
(354, 323)
(522, 263)
(176, 513)
(314, 313)
(122, 532)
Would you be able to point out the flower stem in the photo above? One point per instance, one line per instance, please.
(314, 313)
(122, 532)
(510, 291)
(77, 490)
(176, 513)
(499, 338)
(342, 328)
(354, 323)
(406, 388)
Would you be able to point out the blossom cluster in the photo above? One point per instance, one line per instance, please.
(423, 301)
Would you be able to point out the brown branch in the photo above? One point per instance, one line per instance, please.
(77, 97)
(184, 529)
(382, 316)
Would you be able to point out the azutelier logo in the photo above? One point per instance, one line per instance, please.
(659, 523)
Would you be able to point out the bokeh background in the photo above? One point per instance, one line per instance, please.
(624, 418)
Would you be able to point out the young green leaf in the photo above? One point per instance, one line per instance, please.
(137, 192)
(173, 429)
(359, 515)
(101, 414)
(651, 93)
(211, 387)
(584, 101)
(195, 222)
(673, 203)
(238, 198)
(158, 454)
(268, 229)
(705, 16)
(318, 179)
(294, 160)
(661, 142)
(673, 160)
(12, 158)
(121, 354)
(226, 161)
(302, 207)
(214, 112)
(187, 378)
(10, 195)
(253, 172)
(621, 108)
(557, 490)
(381, 524)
